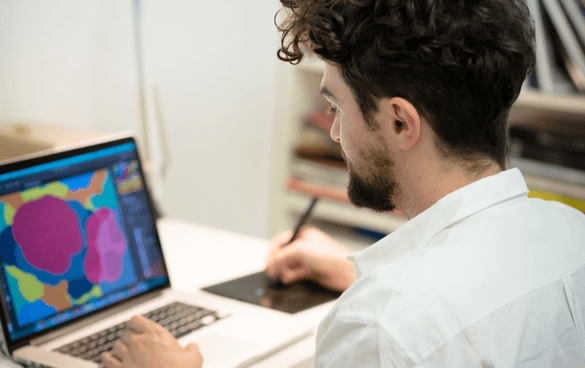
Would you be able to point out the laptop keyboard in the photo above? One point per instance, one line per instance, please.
(178, 318)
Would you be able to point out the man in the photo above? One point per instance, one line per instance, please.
(481, 275)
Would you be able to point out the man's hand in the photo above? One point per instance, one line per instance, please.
(146, 344)
(314, 256)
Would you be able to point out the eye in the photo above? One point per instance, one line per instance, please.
(332, 110)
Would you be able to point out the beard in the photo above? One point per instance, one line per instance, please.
(373, 184)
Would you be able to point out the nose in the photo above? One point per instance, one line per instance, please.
(334, 131)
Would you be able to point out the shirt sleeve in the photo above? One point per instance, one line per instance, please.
(353, 342)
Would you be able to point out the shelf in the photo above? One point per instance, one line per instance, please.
(558, 174)
(552, 182)
(566, 103)
(317, 190)
(534, 107)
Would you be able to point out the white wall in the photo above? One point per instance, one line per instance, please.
(214, 65)
(213, 62)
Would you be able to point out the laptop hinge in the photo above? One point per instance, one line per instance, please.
(95, 318)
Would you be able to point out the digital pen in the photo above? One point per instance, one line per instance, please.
(303, 220)
(271, 283)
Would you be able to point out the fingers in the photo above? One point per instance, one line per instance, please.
(295, 272)
(114, 360)
(120, 350)
(194, 348)
(279, 259)
(110, 361)
(125, 338)
(140, 324)
(281, 238)
(276, 244)
(290, 262)
(289, 265)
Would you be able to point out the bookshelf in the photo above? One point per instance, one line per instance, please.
(298, 98)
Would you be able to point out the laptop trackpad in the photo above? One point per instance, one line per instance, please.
(220, 349)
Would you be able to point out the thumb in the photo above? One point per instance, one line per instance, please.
(196, 360)
(192, 347)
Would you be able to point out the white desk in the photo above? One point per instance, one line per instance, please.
(199, 256)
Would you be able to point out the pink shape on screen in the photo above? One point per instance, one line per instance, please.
(106, 246)
(48, 232)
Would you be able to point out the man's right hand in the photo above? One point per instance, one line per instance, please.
(313, 255)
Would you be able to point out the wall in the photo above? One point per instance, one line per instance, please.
(53, 57)
(212, 62)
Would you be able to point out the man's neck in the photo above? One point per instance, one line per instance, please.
(423, 186)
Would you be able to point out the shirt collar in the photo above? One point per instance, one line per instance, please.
(453, 207)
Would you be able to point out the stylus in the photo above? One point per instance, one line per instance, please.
(276, 282)
(303, 220)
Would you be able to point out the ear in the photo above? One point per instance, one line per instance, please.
(406, 122)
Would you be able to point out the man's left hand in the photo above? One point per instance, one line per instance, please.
(146, 344)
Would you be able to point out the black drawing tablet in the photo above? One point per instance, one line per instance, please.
(258, 289)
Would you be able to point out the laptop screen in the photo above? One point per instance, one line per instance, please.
(76, 235)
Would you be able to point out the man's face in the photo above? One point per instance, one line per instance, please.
(372, 181)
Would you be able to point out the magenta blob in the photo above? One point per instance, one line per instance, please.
(113, 261)
(91, 265)
(106, 246)
(49, 234)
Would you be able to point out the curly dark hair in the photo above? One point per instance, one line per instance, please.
(461, 63)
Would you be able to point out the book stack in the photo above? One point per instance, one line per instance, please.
(560, 143)
(552, 158)
(318, 167)
(560, 46)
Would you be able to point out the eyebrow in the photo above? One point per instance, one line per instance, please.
(327, 93)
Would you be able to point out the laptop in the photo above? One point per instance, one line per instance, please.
(80, 255)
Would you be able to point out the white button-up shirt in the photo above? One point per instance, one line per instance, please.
(486, 277)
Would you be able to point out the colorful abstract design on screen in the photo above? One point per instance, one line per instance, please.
(62, 245)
